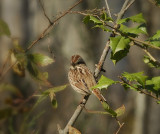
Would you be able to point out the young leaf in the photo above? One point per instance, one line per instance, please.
(4, 29)
(120, 47)
(137, 18)
(53, 99)
(40, 59)
(105, 17)
(120, 111)
(95, 20)
(18, 61)
(150, 62)
(138, 77)
(104, 82)
(108, 109)
(55, 89)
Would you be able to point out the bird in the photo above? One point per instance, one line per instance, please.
(82, 79)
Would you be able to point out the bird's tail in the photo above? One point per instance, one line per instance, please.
(101, 98)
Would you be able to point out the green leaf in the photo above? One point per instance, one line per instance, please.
(127, 86)
(155, 42)
(157, 35)
(102, 27)
(104, 82)
(155, 39)
(118, 43)
(120, 47)
(40, 77)
(86, 19)
(4, 29)
(134, 31)
(40, 59)
(105, 17)
(154, 84)
(55, 89)
(158, 102)
(137, 18)
(95, 20)
(120, 111)
(108, 109)
(138, 77)
(150, 62)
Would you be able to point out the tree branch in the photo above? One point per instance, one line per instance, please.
(40, 2)
(140, 90)
(96, 74)
(108, 10)
(50, 26)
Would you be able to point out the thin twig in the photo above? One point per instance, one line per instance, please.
(143, 42)
(1, 78)
(120, 126)
(102, 59)
(131, 2)
(40, 2)
(50, 26)
(108, 10)
(122, 11)
(140, 90)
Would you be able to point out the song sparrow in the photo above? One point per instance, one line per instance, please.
(82, 79)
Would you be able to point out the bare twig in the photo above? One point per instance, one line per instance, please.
(122, 11)
(40, 2)
(108, 10)
(120, 126)
(131, 2)
(50, 26)
(102, 59)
